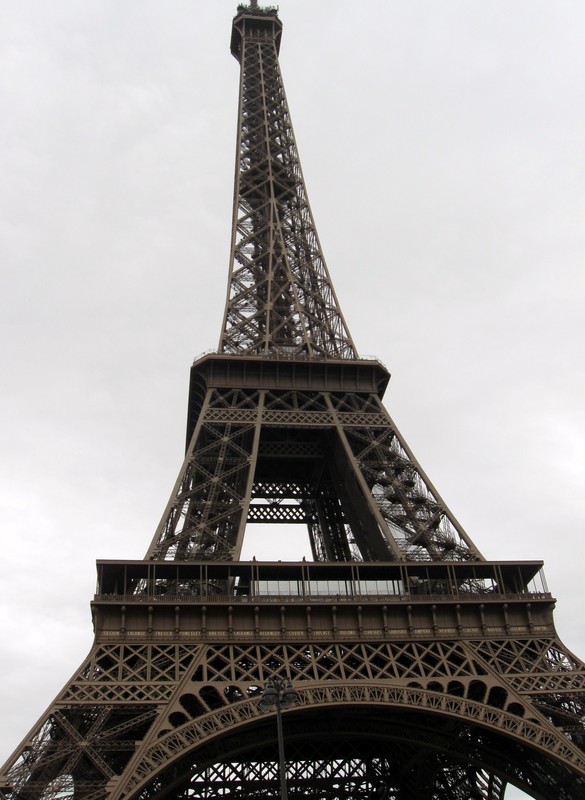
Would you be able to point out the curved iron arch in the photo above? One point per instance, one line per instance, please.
(202, 734)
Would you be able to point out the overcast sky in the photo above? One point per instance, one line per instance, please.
(442, 145)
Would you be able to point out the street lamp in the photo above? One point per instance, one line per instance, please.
(279, 694)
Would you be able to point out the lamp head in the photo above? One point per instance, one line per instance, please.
(289, 696)
(269, 697)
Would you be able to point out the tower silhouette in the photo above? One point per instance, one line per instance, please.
(422, 669)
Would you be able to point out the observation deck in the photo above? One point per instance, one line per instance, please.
(258, 601)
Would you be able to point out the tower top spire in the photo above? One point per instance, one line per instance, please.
(254, 7)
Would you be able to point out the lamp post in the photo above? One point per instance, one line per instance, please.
(279, 694)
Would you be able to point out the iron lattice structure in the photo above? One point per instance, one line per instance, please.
(280, 296)
(423, 670)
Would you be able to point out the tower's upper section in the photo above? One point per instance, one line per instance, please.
(252, 18)
(280, 296)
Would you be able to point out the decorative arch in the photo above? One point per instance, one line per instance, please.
(546, 746)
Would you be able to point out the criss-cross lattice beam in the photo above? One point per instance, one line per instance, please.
(208, 509)
(340, 778)
(420, 525)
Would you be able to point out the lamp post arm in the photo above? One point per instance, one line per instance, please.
(281, 764)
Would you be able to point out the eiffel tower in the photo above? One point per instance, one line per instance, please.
(421, 669)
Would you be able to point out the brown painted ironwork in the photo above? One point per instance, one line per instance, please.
(422, 669)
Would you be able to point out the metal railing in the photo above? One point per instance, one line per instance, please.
(274, 355)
